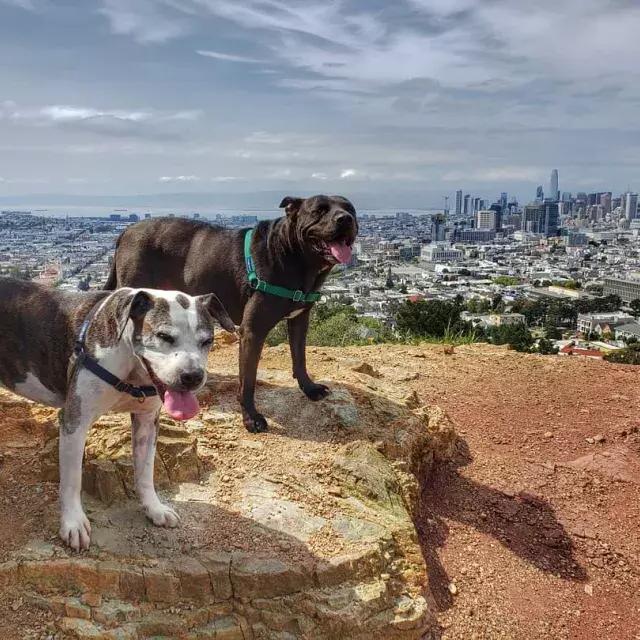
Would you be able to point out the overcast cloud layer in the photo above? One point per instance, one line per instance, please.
(409, 99)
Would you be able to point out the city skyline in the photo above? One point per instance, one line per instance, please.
(396, 102)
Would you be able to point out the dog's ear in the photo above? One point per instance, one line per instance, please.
(212, 304)
(291, 205)
(132, 306)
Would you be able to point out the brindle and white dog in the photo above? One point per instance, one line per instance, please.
(157, 341)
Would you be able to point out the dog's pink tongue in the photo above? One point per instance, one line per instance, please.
(180, 405)
(341, 251)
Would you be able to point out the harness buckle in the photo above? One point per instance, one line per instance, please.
(259, 285)
(298, 295)
(124, 387)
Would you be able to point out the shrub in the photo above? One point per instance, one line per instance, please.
(629, 355)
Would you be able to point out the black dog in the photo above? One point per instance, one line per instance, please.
(292, 254)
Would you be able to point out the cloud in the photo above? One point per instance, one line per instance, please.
(226, 179)
(348, 173)
(497, 174)
(227, 57)
(112, 122)
(146, 21)
(179, 179)
(27, 5)
(319, 176)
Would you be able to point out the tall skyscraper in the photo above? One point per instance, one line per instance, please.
(500, 212)
(467, 210)
(539, 194)
(551, 219)
(503, 201)
(458, 202)
(631, 206)
(438, 228)
(553, 186)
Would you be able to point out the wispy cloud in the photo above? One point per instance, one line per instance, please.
(27, 5)
(147, 21)
(179, 179)
(227, 57)
(114, 122)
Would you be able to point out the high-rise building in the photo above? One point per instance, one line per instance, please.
(486, 220)
(551, 219)
(539, 194)
(467, 210)
(499, 211)
(458, 202)
(531, 216)
(605, 201)
(553, 186)
(438, 228)
(503, 200)
(476, 204)
(631, 206)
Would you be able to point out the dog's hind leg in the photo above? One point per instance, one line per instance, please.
(144, 432)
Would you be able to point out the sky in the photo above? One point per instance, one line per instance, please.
(392, 103)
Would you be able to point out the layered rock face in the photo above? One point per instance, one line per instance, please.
(303, 532)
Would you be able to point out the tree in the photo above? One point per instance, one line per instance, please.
(546, 347)
(428, 318)
(403, 288)
(552, 332)
(635, 305)
(389, 283)
(517, 336)
(630, 355)
(497, 303)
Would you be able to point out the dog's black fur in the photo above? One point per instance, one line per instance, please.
(197, 258)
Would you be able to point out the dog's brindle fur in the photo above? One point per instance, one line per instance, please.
(38, 329)
(197, 257)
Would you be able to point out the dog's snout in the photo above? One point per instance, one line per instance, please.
(342, 217)
(191, 379)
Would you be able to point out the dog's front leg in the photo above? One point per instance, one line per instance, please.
(144, 432)
(297, 328)
(75, 420)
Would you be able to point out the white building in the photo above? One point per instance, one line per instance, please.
(486, 219)
(440, 253)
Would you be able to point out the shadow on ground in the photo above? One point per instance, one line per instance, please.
(525, 524)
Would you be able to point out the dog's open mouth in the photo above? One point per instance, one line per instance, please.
(339, 251)
(178, 403)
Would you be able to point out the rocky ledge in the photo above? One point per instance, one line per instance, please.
(303, 532)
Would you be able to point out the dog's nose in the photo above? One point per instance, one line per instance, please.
(342, 217)
(191, 379)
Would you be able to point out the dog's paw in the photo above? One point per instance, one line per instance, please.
(316, 392)
(162, 515)
(75, 530)
(256, 424)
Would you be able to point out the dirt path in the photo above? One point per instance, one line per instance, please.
(534, 548)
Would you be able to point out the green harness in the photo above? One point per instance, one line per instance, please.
(272, 289)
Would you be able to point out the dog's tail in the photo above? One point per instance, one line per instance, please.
(112, 280)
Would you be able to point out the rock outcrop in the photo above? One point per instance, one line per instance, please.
(304, 532)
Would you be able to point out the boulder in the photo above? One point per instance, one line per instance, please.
(303, 532)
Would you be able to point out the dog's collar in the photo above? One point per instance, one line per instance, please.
(85, 360)
(272, 289)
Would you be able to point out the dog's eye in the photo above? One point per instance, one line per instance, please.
(205, 344)
(165, 337)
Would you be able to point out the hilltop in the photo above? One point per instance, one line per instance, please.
(519, 473)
